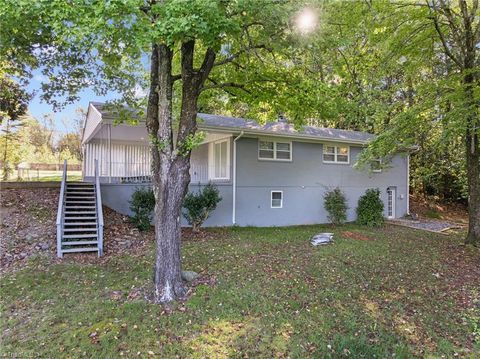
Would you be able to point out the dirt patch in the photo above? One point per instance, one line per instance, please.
(355, 235)
(28, 229)
(433, 209)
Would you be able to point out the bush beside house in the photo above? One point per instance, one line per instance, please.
(336, 205)
(142, 205)
(198, 206)
(370, 208)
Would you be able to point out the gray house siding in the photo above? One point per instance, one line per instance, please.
(117, 196)
(303, 181)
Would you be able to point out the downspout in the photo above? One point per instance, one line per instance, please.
(408, 184)
(109, 153)
(234, 178)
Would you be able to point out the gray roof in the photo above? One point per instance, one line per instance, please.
(278, 128)
(282, 128)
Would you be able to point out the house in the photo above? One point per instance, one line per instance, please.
(267, 175)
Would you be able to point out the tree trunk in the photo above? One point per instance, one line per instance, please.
(472, 150)
(171, 162)
(168, 178)
(473, 174)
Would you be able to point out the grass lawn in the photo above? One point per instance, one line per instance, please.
(47, 176)
(270, 294)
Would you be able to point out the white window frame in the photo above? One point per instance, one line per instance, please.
(275, 150)
(211, 160)
(335, 154)
(271, 198)
(379, 170)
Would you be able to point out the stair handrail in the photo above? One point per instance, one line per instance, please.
(99, 210)
(61, 209)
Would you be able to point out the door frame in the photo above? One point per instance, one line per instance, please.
(391, 191)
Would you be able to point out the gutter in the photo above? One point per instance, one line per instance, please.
(276, 134)
(234, 178)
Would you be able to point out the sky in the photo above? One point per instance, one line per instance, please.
(40, 109)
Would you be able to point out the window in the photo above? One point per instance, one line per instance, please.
(219, 160)
(336, 154)
(376, 165)
(272, 150)
(276, 199)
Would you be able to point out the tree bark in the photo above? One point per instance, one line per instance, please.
(171, 161)
(472, 129)
(167, 179)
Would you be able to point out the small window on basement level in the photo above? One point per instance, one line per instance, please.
(336, 154)
(276, 199)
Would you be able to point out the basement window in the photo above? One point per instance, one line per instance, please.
(276, 199)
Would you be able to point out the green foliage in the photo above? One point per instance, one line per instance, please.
(336, 205)
(142, 205)
(370, 208)
(191, 142)
(199, 206)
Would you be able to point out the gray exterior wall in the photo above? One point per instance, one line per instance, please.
(117, 196)
(303, 181)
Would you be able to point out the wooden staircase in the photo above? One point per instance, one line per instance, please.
(79, 218)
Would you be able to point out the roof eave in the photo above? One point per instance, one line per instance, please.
(275, 134)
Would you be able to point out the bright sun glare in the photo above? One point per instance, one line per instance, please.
(306, 20)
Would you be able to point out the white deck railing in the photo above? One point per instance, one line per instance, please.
(99, 210)
(198, 174)
(61, 209)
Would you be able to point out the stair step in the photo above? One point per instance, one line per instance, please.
(79, 230)
(75, 236)
(79, 192)
(79, 219)
(80, 223)
(79, 207)
(78, 243)
(80, 212)
(74, 200)
(76, 250)
(70, 197)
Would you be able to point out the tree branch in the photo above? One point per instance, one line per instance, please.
(446, 49)
(237, 54)
(223, 85)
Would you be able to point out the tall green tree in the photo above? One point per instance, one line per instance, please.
(188, 44)
(13, 106)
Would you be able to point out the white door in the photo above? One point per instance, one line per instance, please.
(391, 202)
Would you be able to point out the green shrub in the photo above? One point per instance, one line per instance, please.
(198, 206)
(370, 208)
(336, 205)
(142, 205)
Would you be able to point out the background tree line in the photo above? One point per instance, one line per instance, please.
(24, 138)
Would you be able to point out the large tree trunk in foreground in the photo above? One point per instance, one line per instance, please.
(473, 174)
(168, 178)
(472, 150)
(171, 161)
